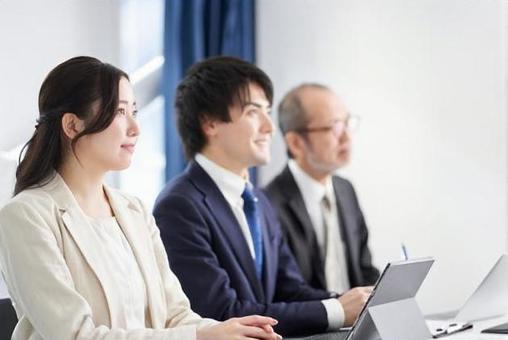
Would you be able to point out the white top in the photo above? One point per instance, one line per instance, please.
(231, 186)
(128, 275)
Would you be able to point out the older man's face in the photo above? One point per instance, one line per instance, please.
(327, 142)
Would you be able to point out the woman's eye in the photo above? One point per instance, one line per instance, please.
(135, 113)
(121, 111)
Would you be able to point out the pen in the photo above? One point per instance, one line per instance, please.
(451, 329)
(405, 256)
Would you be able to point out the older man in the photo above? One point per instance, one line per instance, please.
(318, 210)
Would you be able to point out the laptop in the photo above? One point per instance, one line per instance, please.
(490, 299)
(399, 280)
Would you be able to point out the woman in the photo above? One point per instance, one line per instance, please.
(82, 260)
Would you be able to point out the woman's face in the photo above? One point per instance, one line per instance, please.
(112, 148)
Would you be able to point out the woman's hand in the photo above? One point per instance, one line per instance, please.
(246, 328)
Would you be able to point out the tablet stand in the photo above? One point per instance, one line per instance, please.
(398, 320)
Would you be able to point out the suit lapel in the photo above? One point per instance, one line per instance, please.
(270, 255)
(220, 209)
(133, 224)
(347, 219)
(297, 206)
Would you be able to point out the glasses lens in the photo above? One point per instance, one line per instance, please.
(338, 127)
(353, 122)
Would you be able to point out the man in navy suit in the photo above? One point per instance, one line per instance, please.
(222, 238)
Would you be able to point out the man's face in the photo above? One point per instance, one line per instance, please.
(245, 140)
(326, 144)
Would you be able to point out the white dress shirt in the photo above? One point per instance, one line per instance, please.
(231, 186)
(313, 193)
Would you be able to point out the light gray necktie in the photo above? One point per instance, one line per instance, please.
(337, 279)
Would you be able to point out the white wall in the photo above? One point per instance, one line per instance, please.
(8, 168)
(428, 78)
(34, 37)
(505, 18)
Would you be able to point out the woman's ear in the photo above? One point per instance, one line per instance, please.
(72, 125)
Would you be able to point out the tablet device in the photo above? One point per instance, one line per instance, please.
(399, 280)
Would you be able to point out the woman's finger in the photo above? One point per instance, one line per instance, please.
(257, 320)
(259, 333)
(267, 328)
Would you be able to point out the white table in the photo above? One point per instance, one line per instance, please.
(471, 334)
(474, 333)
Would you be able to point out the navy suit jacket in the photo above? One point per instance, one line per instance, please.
(208, 252)
(296, 224)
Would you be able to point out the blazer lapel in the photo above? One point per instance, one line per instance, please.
(134, 226)
(77, 224)
(225, 218)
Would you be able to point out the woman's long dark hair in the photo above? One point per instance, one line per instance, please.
(84, 86)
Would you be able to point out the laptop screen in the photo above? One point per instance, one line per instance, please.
(490, 299)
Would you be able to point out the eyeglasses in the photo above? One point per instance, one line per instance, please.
(337, 127)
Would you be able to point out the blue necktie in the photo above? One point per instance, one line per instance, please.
(251, 213)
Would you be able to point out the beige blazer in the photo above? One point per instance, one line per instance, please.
(59, 283)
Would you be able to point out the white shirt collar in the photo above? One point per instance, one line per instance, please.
(230, 184)
(312, 190)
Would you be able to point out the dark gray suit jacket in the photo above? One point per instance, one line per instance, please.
(296, 224)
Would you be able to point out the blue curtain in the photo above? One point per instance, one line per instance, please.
(195, 30)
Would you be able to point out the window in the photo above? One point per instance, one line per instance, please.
(141, 47)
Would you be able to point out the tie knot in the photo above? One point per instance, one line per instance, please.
(325, 202)
(248, 195)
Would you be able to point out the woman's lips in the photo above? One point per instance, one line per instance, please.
(129, 147)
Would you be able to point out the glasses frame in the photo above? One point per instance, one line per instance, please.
(337, 127)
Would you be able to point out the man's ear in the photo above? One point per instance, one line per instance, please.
(295, 144)
(72, 125)
(209, 127)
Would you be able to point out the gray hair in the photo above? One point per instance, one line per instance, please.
(292, 116)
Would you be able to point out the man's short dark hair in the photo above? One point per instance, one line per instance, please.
(292, 115)
(208, 90)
